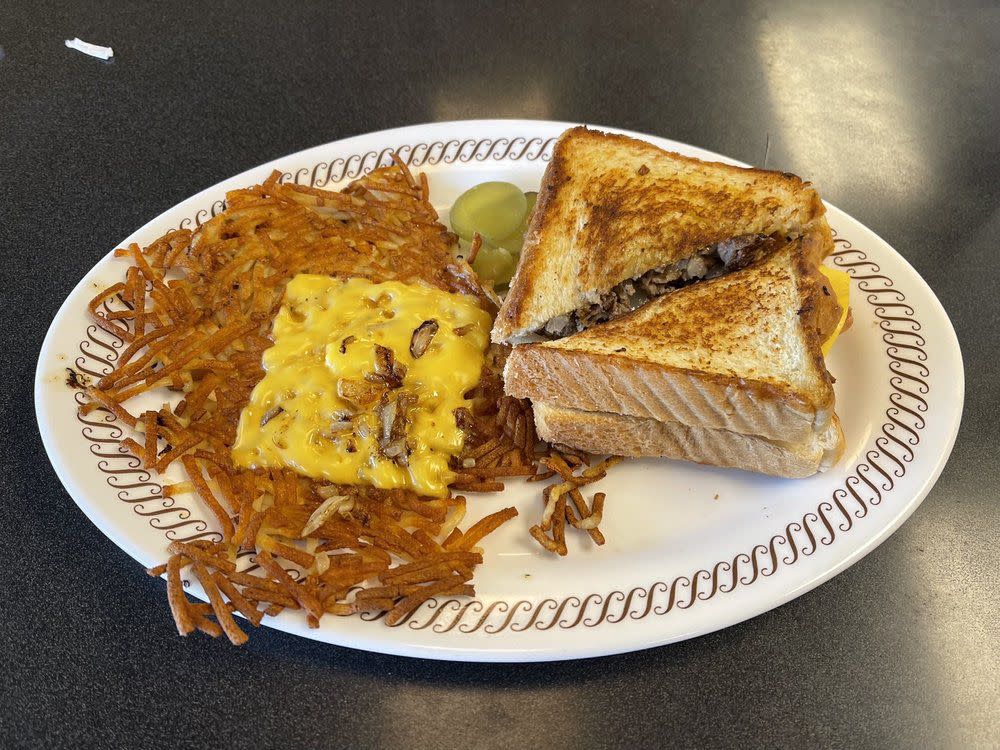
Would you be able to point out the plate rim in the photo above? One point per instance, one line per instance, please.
(493, 653)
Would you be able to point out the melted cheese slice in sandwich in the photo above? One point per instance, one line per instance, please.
(840, 282)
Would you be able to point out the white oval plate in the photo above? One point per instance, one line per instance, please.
(690, 549)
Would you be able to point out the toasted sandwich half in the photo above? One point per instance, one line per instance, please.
(619, 221)
(735, 360)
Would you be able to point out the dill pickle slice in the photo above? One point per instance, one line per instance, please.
(516, 240)
(494, 209)
(495, 264)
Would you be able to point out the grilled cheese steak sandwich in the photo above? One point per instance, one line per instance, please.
(727, 371)
(619, 221)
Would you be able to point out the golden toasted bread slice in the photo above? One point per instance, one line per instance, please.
(600, 432)
(740, 352)
(615, 214)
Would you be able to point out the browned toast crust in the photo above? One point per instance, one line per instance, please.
(594, 382)
(599, 432)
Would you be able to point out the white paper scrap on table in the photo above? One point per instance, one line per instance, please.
(94, 50)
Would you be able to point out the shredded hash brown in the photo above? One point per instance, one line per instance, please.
(197, 313)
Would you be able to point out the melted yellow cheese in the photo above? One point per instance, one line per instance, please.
(840, 282)
(326, 331)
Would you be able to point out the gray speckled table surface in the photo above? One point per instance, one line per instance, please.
(891, 109)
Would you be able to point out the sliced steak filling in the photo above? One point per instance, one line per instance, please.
(630, 294)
